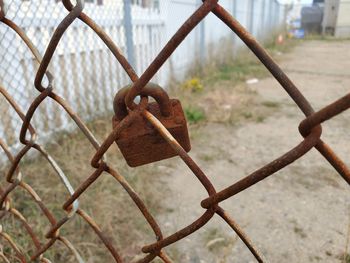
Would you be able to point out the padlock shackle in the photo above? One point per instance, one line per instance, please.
(151, 89)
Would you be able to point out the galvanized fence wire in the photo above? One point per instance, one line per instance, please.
(310, 128)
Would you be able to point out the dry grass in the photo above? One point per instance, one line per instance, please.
(225, 98)
(222, 94)
(105, 201)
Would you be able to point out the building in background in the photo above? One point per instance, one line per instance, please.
(337, 18)
(88, 75)
(329, 17)
(312, 16)
(295, 12)
(295, 29)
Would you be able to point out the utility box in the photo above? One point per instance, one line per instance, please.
(342, 28)
(330, 17)
(336, 20)
(311, 19)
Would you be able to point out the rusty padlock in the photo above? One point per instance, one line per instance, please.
(140, 143)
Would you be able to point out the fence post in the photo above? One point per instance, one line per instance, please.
(251, 13)
(278, 13)
(129, 32)
(234, 9)
(234, 39)
(201, 38)
(275, 15)
(262, 24)
(270, 14)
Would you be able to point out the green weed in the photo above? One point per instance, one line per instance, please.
(194, 115)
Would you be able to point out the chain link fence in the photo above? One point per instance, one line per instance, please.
(85, 67)
(49, 88)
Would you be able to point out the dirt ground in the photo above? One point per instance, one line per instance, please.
(300, 214)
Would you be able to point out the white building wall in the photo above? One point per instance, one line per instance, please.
(86, 73)
(343, 21)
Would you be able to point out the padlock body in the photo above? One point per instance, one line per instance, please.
(141, 143)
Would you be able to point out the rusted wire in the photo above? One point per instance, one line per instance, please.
(310, 129)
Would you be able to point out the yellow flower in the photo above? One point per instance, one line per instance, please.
(193, 85)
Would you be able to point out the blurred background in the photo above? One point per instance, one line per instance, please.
(87, 74)
(326, 17)
(84, 66)
(238, 115)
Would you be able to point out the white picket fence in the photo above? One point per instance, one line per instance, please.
(86, 73)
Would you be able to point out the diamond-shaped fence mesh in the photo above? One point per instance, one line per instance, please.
(73, 41)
